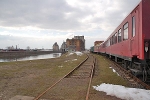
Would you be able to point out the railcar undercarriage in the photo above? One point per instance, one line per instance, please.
(139, 68)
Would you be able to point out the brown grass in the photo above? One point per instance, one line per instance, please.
(30, 78)
(104, 74)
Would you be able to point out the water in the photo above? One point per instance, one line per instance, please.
(45, 56)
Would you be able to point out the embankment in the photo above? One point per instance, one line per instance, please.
(11, 54)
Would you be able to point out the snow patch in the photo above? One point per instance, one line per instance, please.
(124, 92)
(66, 60)
(114, 71)
(74, 59)
(60, 66)
(77, 53)
(70, 60)
(70, 54)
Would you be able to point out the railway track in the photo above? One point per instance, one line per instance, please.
(132, 80)
(75, 85)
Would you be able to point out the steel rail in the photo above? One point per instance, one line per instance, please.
(91, 76)
(132, 76)
(40, 95)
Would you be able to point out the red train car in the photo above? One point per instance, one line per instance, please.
(96, 49)
(97, 46)
(130, 41)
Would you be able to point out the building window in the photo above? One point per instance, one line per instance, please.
(125, 33)
(133, 26)
(119, 35)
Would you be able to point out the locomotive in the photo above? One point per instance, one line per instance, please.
(129, 43)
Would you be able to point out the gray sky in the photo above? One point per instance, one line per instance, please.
(40, 23)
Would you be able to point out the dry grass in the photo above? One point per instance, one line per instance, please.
(32, 77)
(104, 74)
(29, 78)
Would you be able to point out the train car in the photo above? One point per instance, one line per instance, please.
(97, 46)
(96, 49)
(92, 49)
(101, 48)
(130, 41)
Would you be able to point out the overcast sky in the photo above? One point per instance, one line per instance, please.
(41, 23)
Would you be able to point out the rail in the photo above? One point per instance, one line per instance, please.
(68, 74)
(91, 76)
(128, 76)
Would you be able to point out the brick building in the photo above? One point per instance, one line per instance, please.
(98, 43)
(76, 44)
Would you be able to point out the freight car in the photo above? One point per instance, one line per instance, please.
(130, 42)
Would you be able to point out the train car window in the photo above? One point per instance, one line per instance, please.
(133, 26)
(125, 33)
(119, 35)
(103, 45)
(107, 43)
(116, 37)
(110, 41)
(113, 39)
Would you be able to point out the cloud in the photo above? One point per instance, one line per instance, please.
(47, 14)
(56, 20)
(63, 15)
(39, 40)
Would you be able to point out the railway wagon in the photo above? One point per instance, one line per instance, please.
(130, 41)
(92, 49)
(96, 49)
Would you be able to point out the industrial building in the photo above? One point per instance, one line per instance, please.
(76, 44)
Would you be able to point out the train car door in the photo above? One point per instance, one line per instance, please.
(134, 41)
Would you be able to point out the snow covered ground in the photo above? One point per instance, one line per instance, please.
(124, 92)
(77, 53)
